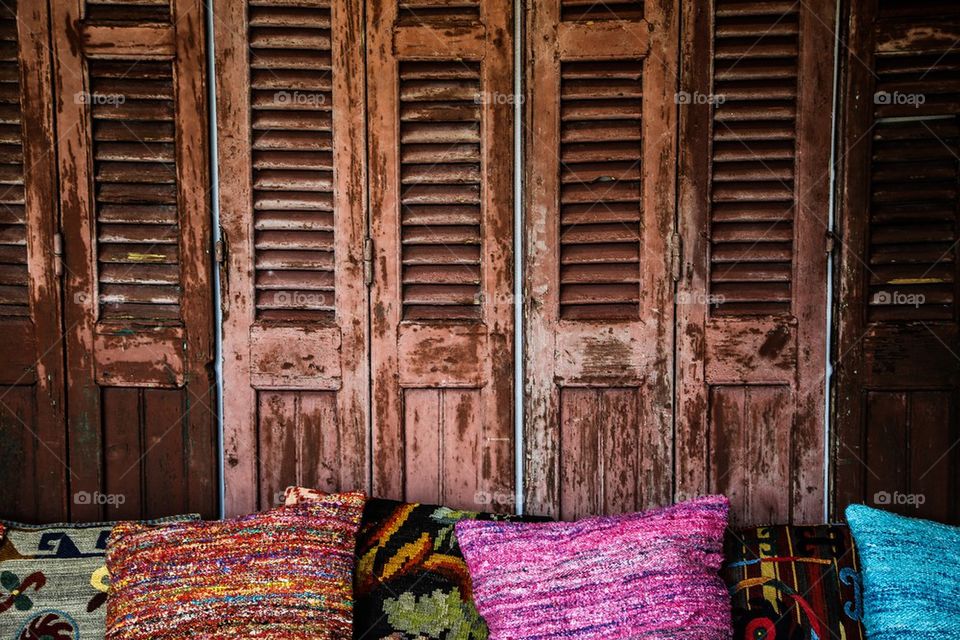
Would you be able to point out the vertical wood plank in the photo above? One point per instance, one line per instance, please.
(623, 452)
(277, 447)
(581, 473)
(462, 425)
(18, 456)
(123, 452)
(422, 427)
(933, 454)
(886, 464)
(318, 458)
(166, 459)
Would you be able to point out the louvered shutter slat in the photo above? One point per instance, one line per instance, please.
(440, 124)
(134, 181)
(128, 11)
(754, 87)
(292, 143)
(600, 151)
(13, 227)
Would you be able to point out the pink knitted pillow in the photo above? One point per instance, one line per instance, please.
(641, 575)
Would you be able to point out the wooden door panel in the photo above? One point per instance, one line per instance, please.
(134, 170)
(33, 459)
(599, 220)
(441, 145)
(898, 333)
(292, 199)
(754, 187)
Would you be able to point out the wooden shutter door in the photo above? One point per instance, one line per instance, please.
(440, 78)
(600, 177)
(898, 337)
(134, 183)
(754, 192)
(292, 200)
(33, 456)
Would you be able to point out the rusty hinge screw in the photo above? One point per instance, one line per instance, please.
(58, 253)
(676, 256)
(368, 261)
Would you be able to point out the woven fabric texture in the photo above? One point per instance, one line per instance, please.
(639, 576)
(911, 588)
(54, 580)
(282, 574)
(794, 582)
(411, 581)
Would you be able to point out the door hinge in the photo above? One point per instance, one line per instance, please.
(219, 251)
(676, 257)
(833, 242)
(58, 253)
(368, 261)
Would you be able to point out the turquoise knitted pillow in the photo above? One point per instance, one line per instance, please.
(911, 575)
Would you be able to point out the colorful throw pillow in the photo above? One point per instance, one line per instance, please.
(911, 575)
(411, 581)
(643, 575)
(284, 574)
(794, 582)
(53, 580)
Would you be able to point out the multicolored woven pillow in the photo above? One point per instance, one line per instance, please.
(794, 582)
(411, 581)
(643, 575)
(911, 575)
(53, 580)
(284, 574)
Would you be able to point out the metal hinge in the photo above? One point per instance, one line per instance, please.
(219, 251)
(58, 253)
(368, 261)
(833, 242)
(676, 257)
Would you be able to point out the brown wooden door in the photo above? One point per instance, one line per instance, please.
(33, 454)
(600, 177)
(898, 330)
(751, 301)
(440, 78)
(292, 198)
(134, 169)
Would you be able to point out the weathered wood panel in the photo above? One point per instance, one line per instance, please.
(135, 206)
(293, 203)
(441, 144)
(600, 172)
(898, 329)
(33, 457)
(755, 108)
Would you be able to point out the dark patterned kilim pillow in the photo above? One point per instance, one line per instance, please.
(794, 583)
(411, 581)
(53, 580)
